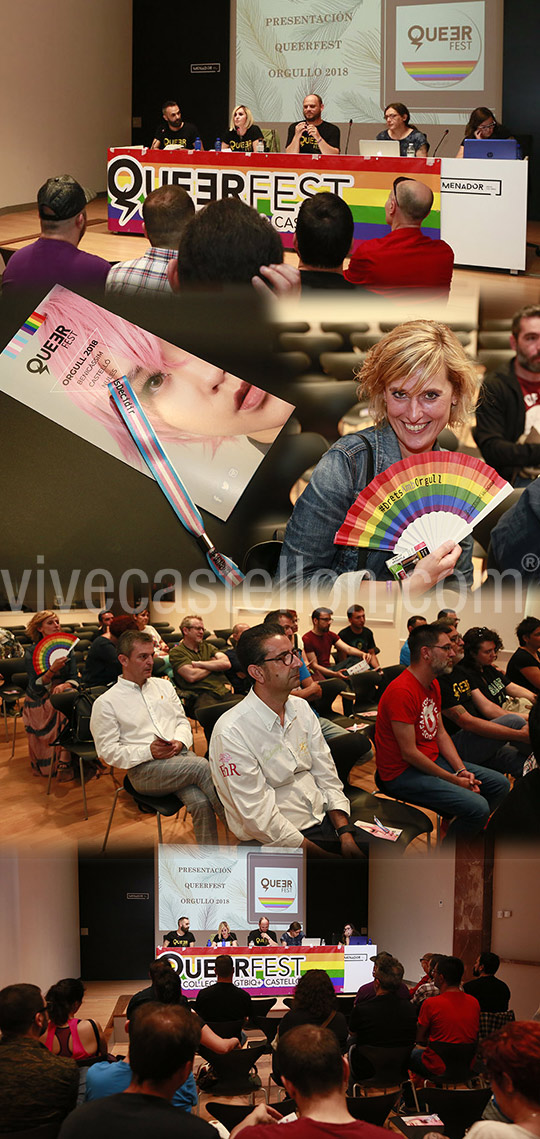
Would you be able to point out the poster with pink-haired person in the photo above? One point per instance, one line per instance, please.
(215, 426)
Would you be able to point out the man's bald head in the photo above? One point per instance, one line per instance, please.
(409, 202)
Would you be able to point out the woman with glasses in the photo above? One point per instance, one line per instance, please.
(412, 142)
(482, 124)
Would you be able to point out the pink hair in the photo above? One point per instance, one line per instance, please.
(90, 321)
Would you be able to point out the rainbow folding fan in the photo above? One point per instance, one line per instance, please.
(53, 648)
(421, 502)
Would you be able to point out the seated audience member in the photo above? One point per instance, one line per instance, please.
(368, 991)
(102, 665)
(427, 988)
(315, 1075)
(263, 935)
(357, 635)
(514, 540)
(319, 643)
(243, 132)
(161, 655)
(512, 1061)
(54, 258)
(180, 938)
(67, 1035)
(523, 668)
(398, 128)
(175, 133)
(271, 766)
(405, 654)
(323, 238)
(139, 726)
(521, 810)
(166, 989)
(224, 1000)
(199, 667)
(453, 1017)
(416, 759)
(314, 1002)
(347, 748)
(294, 935)
(491, 993)
(507, 428)
(474, 722)
(425, 962)
(312, 135)
(229, 243)
(241, 683)
(482, 124)
(481, 648)
(106, 1079)
(105, 617)
(224, 935)
(162, 1043)
(387, 1020)
(405, 258)
(37, 1089)
(165, 212)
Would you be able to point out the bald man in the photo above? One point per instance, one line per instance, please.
(405, 259)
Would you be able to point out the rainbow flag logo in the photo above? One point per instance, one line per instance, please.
(30, 326)
(441, 74)
(276, 905)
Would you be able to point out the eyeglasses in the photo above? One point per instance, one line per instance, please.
(285, 658)
(445, 648)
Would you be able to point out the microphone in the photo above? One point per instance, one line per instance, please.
(348, 137)
(447, 131)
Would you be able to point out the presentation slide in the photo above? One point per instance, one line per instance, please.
(440, 59)
(209, 885)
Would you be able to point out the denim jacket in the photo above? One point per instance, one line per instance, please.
(319, 512)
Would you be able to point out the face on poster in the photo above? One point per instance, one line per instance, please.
(215, 426)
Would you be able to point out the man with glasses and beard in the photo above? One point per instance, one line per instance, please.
(271, 767)
(416, 758)
(508, 414)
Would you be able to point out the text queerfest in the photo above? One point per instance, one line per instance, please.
(260, 971)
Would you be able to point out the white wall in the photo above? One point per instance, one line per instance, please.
(39, 931)
(65, 91)
(517, 937)
(411, 907)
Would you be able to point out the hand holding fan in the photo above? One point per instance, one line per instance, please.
(420, 502)
(51, 649)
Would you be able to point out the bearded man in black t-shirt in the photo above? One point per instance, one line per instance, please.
(312, 135)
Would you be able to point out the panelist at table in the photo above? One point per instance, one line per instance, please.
(243, 132)
(312, 135)
(175, 132)
(398, 129)
(482, 125)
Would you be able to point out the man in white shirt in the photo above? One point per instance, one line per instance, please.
(140, 726)
(271, 766)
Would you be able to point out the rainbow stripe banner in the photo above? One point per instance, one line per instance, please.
(274, 184)
(262, 972)
(21, 338)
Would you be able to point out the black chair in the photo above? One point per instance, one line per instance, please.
(263, 556)
(373, 1109)
(321, 405)
(231, 1114)
(388, 1065)
(159, 805)
(233, 1071)
(314, 344)
(226, 1028)
(345, 1003)
(261, 1006)
(268, 1025)
(209, 716)
(11, 692)
(331, 688)
(411, 821)
(457, 1109)
(69, 738)
(457, 1059)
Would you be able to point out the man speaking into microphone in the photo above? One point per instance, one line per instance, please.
(312, 135)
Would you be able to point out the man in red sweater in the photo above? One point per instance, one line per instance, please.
(450, 1019)
(405, 258)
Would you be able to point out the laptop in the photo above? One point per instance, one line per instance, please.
(491, 148)
(378, 148)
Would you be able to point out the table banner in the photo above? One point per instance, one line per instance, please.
(263, 972)
(274, 184)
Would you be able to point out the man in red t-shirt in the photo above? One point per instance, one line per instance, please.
(320, 641)
(416, 759)
(451, 1018)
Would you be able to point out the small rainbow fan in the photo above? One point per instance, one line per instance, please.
(53, 648)
(423, 500)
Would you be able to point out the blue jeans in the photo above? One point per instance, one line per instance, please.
(508, 758)
(471, 809)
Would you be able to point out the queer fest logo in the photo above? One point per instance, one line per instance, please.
(440, 45)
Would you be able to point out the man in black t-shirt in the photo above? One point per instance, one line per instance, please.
(491, 993)
(224, 1000)
(179, 938)
(175, 132)
(359, 636)
(312, 135)
(263, 935)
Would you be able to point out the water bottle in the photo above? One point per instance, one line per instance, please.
(410, 150)
(197, 145)
(217, 144)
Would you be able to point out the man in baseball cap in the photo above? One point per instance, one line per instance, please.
(54, 259)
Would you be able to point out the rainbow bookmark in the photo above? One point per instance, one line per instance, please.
(168, 479)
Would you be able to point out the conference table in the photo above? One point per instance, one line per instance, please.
(273, 972)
